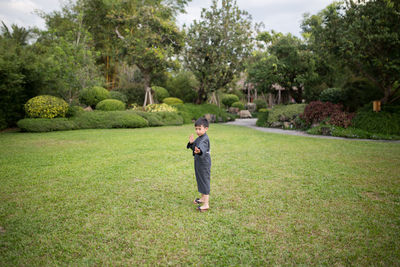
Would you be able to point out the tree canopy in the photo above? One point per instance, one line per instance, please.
(218, 45)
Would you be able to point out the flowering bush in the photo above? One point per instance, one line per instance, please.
(46, 106)
(160, 108)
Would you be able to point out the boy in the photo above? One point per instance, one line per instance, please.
(202, 162)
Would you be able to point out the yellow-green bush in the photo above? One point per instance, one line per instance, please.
(160, 108)
(46, 106)
(172, 101)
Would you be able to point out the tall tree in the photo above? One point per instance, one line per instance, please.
(148, 36)
(218, 45)
(365, 36)
(286, 62)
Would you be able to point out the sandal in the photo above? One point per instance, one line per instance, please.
(197, 201)
(200, 209)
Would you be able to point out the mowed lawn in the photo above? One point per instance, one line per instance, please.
(124, 197)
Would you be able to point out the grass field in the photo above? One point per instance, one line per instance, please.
(124, 197)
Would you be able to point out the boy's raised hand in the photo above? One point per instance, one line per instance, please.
(191, 139)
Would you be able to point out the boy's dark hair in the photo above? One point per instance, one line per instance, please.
(201, 121)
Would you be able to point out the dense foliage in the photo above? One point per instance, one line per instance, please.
(110, 105)
(229, 99)
(93, 95)
(217, 45)
(46, 106)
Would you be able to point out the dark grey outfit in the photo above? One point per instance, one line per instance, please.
(202, 163)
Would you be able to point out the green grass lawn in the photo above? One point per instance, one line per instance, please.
(124, 197)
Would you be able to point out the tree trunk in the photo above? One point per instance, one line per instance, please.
(148, 97)
(201, 95)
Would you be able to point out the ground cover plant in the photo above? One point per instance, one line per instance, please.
(124, 197)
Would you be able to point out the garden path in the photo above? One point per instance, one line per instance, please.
(251, 123)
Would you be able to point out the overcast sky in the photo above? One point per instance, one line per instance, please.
(280, 15)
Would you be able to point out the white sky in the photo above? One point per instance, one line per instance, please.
(280, 15)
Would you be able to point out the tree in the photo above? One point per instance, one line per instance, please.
(366, 37)
(68, 57)
(217, 46)
(286, 62)
(19, 35)
(149, 37)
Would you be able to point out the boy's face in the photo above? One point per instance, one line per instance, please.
(200, 130)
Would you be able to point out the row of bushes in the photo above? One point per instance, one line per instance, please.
(101, 120)
(330, 119)
(81, 119)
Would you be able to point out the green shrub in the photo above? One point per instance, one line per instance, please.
(285, 112)
(191, 112)
(3, 122)
(46, 125)
(239, 105)
(74, 111)
(46, 106)
(261, 104)
(170, 118)
(110, 119)
(153, 118)
(263, 110)
(110, 105)
(119, 96)
(159, 108)
(377, 122)
(93, 95)
(333, 95)
(160, 93)
(172, 101)
(349, 132)
(229, 99)
(262, 118)
(183, 85)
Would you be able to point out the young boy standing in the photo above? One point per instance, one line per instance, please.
(202, 162)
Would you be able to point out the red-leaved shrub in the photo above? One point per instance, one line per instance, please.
(341, 119)
(317, 111)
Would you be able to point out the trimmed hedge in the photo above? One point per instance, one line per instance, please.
(46, 106)
(93, 95)
(119, 96)
(46, 125)
(229, 99)
(161, 118)
(238, 104)
(160, 93)
(110, 119)
(172, 101)
(110, 105)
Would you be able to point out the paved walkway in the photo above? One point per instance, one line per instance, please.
(251, 123)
